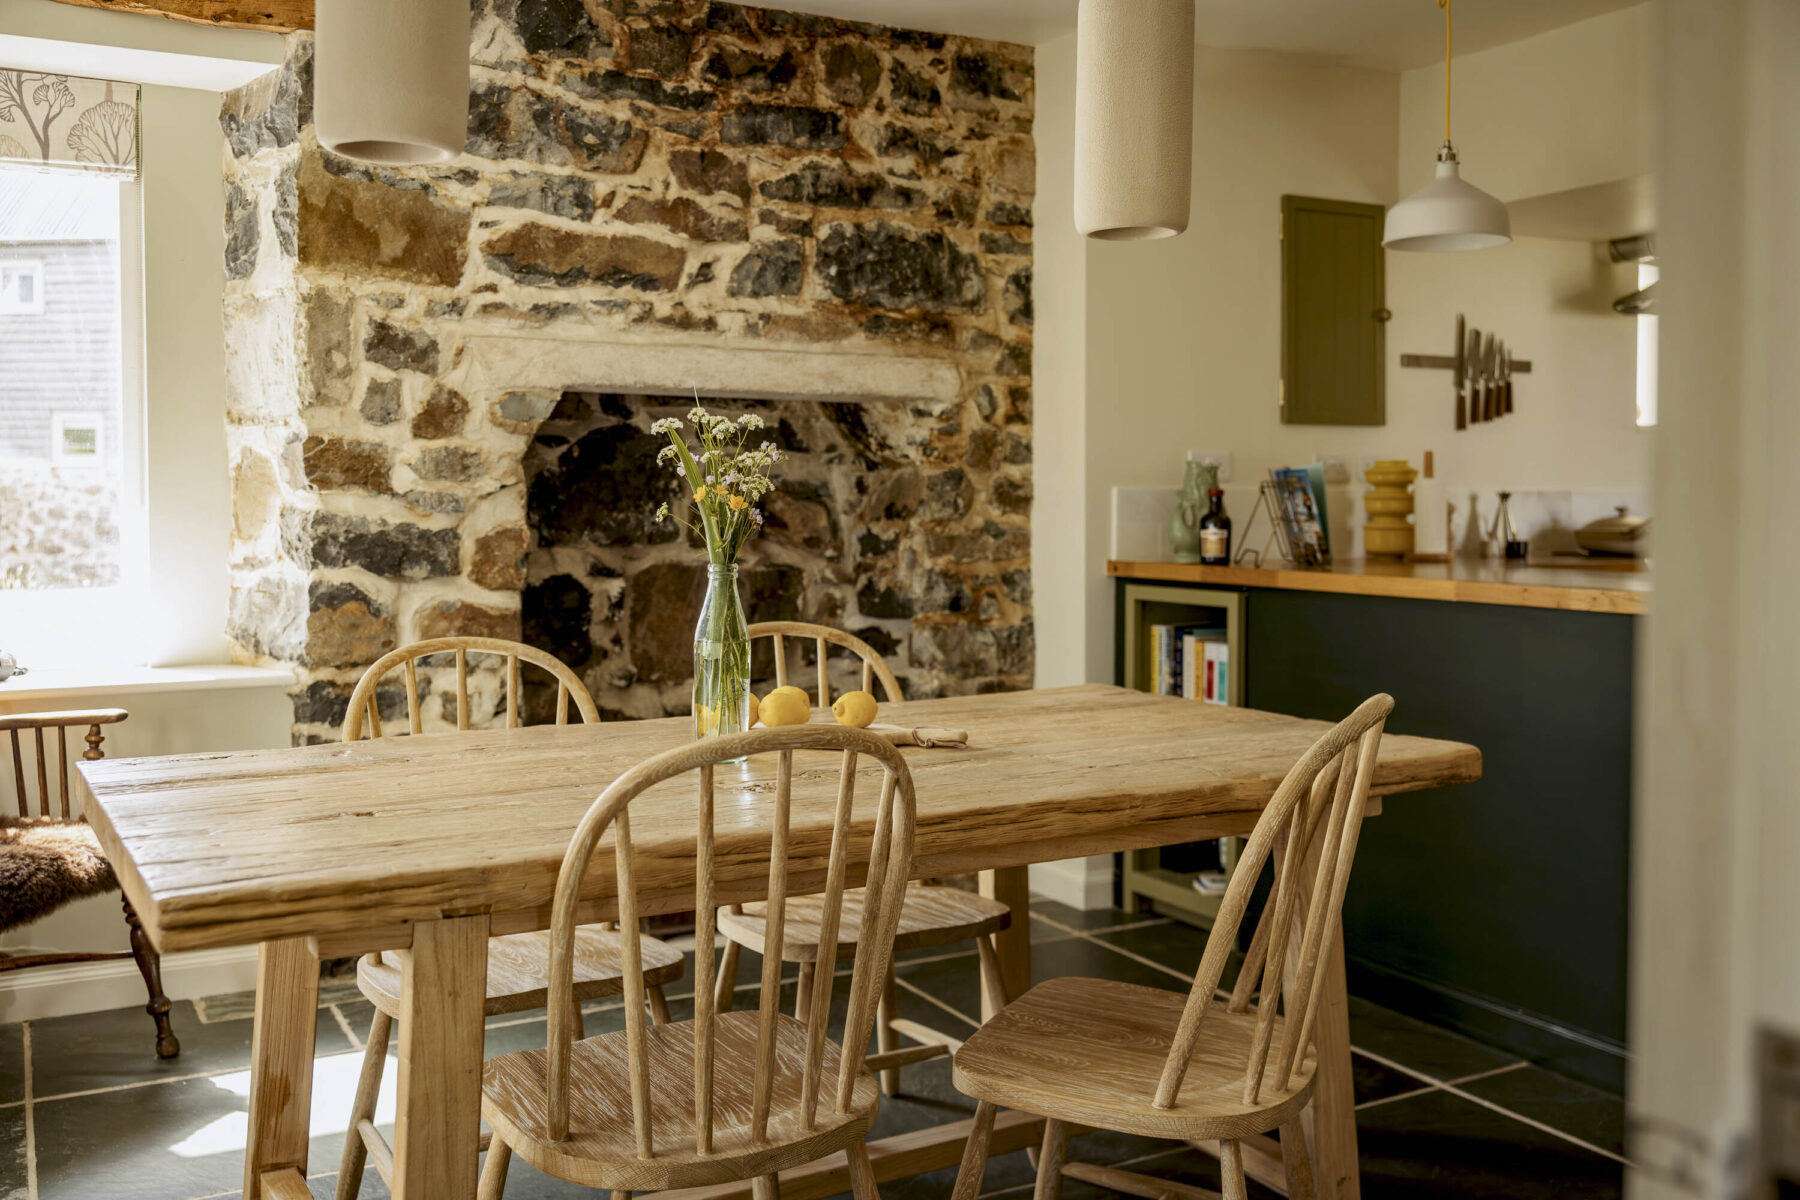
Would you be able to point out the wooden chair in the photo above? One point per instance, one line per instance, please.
(725, 1096)
(1146, 1061)
(518, 964)
(49, 859)
(932, 916)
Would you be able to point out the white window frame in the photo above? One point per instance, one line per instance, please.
(1648, 342)
(12, 270)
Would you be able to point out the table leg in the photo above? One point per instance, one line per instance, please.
(1013, 885)
(437, 1123)
(1333, 1107)
(281, 1060)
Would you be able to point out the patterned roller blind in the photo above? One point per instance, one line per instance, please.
(68, 123)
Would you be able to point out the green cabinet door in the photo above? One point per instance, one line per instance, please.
(1333, 310)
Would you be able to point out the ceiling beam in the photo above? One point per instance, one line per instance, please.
(276, 16)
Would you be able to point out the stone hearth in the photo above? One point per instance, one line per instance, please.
(830, 219)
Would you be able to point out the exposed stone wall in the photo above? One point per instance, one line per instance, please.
(640, 174)
(58, 528)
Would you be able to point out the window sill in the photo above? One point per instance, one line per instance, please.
(54, 683)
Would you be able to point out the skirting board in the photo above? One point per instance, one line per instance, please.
(1577, 1053)
(34, 995)
(1082, 883)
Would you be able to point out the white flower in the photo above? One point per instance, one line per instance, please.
(750, 421)
(666, 425)
(662, 513)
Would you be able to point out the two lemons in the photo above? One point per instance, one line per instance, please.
(792, 706)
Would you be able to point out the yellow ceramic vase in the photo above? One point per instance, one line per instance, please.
(1388, 533)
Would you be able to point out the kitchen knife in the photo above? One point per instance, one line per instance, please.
(1490, 395)
(1475, 380)
(1507, 393)
(1462, 365)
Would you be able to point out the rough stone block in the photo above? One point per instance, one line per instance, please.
(400, 349)
(497, 561)
(459, 618)
(893, 266)
(784, 125)
(770, 269)
(708, 171)
(369, 230)
(333, 463)
(839, 187)
(449, 464)
(443, 415)
(390, 551)
(567, 196)
(566, 257)
(346, 627)
(686, 217)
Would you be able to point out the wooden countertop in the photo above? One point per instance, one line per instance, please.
(1621, 589)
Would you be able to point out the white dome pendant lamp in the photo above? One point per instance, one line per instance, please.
(1447, 213)
(391, 79)
(1134, 118)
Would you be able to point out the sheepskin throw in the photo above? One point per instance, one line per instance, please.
(45, 863)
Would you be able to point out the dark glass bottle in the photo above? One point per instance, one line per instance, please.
(1215, 532)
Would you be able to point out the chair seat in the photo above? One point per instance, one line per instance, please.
(519, 965)
(931, 916)
(1090, 1051)
(601, 1150)
(45, 862)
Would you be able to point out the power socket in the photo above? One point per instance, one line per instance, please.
(1218, 458)
(1337, 467)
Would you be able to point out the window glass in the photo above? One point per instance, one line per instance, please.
(61, 411)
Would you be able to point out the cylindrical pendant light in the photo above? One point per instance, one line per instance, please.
(1447, 213)
(1134, 118)
(391, 79)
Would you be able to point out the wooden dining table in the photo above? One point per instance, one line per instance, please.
(428, 845)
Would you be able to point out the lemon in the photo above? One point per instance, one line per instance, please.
(754, 718)
(786, 706)
(855, 709)
(789, 689)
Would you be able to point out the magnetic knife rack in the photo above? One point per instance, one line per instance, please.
(1484, 371)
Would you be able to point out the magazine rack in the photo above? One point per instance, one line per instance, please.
(1282, 521)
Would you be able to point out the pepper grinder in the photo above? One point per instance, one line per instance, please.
(1505, 532)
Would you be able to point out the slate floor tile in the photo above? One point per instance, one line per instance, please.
(1441, 1145)
(1595, 1116)
(12, 1064)
(1376, 1080)
(1426, 1048)
(107, 1049)
(13, 1185)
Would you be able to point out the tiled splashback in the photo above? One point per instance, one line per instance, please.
(1547, 519)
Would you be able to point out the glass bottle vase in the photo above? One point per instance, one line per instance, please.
(721, 657)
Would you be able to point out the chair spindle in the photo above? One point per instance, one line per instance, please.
(763, 1089)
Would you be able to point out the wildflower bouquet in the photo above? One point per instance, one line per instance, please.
(728, 478)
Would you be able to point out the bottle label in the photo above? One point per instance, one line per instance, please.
(1214, 544)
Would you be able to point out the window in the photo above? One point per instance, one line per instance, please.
(68, 486)
(21, 289)
(1648, 273)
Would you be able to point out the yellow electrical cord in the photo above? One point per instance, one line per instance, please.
(1445, 5)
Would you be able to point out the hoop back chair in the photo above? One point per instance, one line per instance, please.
(518, 964)
(1147, 1061)
(932, 916)
(48, 859)
(725, 1096)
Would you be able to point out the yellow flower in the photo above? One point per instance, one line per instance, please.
(738, 503)
(700, 492)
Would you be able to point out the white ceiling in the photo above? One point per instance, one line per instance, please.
(1394, 35)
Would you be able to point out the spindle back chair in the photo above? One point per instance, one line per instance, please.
(874, 667)
(518, 964)
(36, 724)
(724, 1096)
(933, 915)
(1249, 1067)
(49, 856)
(365, 710)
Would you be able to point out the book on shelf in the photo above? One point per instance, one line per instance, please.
(1199, 649)
(1175, 656)
(1215, 674)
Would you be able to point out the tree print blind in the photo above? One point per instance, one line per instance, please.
(68, 123)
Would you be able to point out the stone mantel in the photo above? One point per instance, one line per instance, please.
(579, 360)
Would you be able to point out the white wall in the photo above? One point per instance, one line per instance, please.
(189, 487)
(1181, 338)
